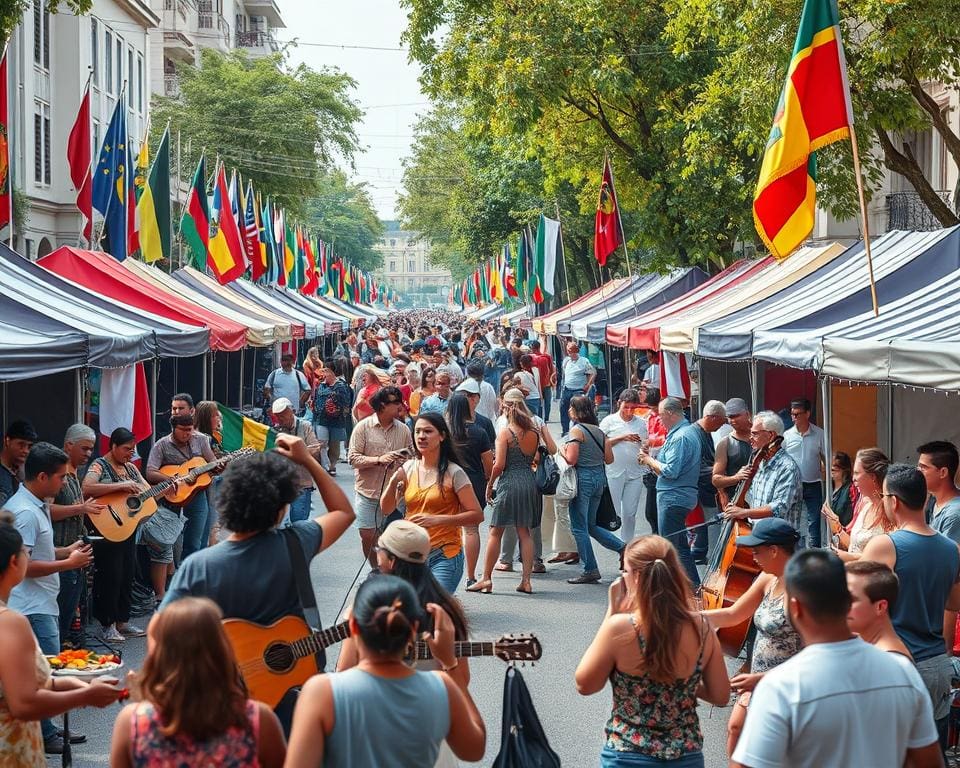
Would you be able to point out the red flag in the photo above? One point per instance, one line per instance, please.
(125, 402)
(6, 198)
(607, 235)
(310, 269)
(78, 157)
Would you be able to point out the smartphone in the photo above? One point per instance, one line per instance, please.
(405, 452)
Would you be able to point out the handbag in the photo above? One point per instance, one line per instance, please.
(163, 527)
(523, 743)
(567, 485)
(607, 516)
(547, 474)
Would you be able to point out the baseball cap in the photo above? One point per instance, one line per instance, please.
(735, 406)
(406, 540)
(280, 405)
(470, 386)
(769, 530)
(383, 333)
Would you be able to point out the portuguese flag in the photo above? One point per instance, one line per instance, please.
(814, 110)
(240, 432)
(195, 222)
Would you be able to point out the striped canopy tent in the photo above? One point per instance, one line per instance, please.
(516, 317)
(595, 298)
(489, 312)
(644, 295)
(762, 330)
(327, 320)
(671, 326)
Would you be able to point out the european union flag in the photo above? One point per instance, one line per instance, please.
(111, 181)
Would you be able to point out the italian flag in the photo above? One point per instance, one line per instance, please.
(124, 402)
(240, 432)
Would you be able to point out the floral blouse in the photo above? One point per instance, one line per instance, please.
(652, 717)
(235, 748)
(777, 640)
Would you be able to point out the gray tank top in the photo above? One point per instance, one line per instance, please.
(591, 449)
(381, 723)
(738, 455)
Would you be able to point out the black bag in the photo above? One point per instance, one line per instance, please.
(607, 516)
(548, 473)
(523, 744)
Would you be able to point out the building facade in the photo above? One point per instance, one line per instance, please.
(49, 59)
(407, 267)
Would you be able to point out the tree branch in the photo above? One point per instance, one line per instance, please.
(615, 137)
(932, 108)
(906, 165)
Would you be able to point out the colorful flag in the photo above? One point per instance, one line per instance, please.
(814, 110)
(606, 229)
(239, 432)
(225, 249)
(510, 277)
(153, 207)
(268, 244)
(251, 236)
(6, 192)
(548, 233)
(195, 222)
(112, 183)
(289, 254)
(313, 279)
(125, 402)
(78, 156)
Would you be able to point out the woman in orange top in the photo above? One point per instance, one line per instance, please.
(428, 377)
(439, 497)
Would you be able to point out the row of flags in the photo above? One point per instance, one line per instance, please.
(231, 231)
(522, 273)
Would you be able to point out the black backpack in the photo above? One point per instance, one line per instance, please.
(523, 744)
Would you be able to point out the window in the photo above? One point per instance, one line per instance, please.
(108, 60)
(41, 142)
(142, 98)
(119, 64)
(95, 51)
(134, 100)
(95, 154)
(393, 266)
(41, 35)
(411, 265)
(393, 243)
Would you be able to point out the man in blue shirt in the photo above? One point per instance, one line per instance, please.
(678, 470)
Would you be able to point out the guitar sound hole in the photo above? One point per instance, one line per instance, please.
(279, 657)
(133, 504)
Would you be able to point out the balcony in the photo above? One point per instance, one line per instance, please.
(905, 210)
(178, 46)
(214, 29)
(257, 43)
(266, 8)
(171, 86)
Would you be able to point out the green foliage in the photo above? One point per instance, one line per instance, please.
(282, 129)
(344, 216)
(11, 11)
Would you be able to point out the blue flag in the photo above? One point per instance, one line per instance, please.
(268, 239)
(112, 180)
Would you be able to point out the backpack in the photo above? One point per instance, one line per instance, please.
(523, 743)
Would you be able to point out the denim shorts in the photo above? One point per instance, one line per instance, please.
(612, 758)
(367, 511)
(326, 434)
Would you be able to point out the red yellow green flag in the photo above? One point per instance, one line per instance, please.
(814, 110)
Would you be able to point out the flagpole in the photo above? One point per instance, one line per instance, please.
(623, 236)
(563, 252)
(86, 95)
(863, 215)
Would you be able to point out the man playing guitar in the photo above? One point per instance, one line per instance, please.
(776, 490)
(250, 574)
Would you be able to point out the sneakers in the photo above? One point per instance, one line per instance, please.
(587, 577)
(131, 630)
(53, 745)
(111, 635)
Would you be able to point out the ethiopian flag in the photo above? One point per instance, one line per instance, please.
(240, 432)
(814, 110)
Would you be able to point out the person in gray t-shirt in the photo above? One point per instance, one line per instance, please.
(938, 464)
(286, 381)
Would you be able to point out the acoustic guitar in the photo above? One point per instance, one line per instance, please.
(275, 658)
(195, 475)
(124, 511)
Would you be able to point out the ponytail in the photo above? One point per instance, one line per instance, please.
(387, 612)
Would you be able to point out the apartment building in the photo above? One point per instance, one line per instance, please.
(49, 59)
(407, 267)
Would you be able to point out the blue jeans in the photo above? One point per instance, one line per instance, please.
(813, 501)
(706, 536)
(447, 570)
(47, 631)
(583, 517)
(566, 396)
(534, 406)
(670, 520)
(300, 507)
(196, 528)
(611, 758)
(547, 399)
(72, 584)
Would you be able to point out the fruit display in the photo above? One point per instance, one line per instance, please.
(84, 661)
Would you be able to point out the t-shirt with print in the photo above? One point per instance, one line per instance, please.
(223, 574)
(946, 520)
(823, 706)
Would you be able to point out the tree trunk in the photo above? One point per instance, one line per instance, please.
(906, 165)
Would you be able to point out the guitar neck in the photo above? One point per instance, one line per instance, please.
(313, 644)
(461, 649)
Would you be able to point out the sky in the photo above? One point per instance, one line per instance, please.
(387, 87)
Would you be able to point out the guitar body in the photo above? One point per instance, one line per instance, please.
(125, 512)
(186, 491)
(269, 666)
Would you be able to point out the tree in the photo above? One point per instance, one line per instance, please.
(11, 11)
(343, 215)
(282, 129)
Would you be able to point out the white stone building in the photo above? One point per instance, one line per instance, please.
(407, 267)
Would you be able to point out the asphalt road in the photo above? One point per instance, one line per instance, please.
(564, 618)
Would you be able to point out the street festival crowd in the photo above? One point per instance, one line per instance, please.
(849, 661)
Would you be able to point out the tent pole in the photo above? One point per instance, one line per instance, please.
(78, 388)
(154, 372)
(240, 377)
(754, 387)
(826, 410)
(206, 364)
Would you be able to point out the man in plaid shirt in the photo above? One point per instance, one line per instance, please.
(776, 490)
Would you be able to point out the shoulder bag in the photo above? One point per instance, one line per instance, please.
(547, 474)
(523, 743)
(607, 516)
(567, 484)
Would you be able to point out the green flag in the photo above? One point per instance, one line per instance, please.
(195, 222)
(153, 208)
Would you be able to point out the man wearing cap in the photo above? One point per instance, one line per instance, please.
(378, 443)
(734, 449)
(182, 444)
(403, 540)
(287, 382)
(288, 423)
(489, 405)
(17, 441)
(472, 388)
(776, 490)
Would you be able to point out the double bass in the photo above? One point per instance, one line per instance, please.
(732, 569)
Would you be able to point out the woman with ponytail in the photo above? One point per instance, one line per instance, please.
(381, 713)
(659, 656)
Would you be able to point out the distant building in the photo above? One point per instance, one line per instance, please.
(407, 267)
